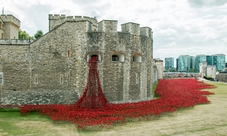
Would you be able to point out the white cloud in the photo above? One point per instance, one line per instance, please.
(204, 3)
(180, 27)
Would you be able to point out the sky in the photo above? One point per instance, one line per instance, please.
(180, 27)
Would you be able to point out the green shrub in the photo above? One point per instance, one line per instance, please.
(154, 89)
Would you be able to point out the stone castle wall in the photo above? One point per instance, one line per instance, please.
(15, 67)
(55, 66)
(222, 77)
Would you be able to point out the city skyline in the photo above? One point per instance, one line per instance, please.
(187, 62)
(175, 63)
(179, 27)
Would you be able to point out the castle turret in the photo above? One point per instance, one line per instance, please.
(146, 31)
(9, 26)
(132, 28)
(108, 26)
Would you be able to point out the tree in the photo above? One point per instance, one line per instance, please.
(38, 34)
(192, 70)
(23, 35)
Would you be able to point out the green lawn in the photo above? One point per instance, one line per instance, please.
(10, 122)
(207, 119)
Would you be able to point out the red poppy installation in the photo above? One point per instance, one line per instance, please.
(93, 108)
(93, 97)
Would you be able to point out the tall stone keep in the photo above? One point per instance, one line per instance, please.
(55, 70)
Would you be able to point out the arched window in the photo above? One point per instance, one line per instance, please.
(118, 57)
(115, 58)
(1, 78)
(93, 56)
(61, 79)
(90, 55)
(137, 58)
(68, 54)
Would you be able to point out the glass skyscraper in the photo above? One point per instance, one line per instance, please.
(169, 63)
(209, 59)
(219, 61)
(183, 63)
(192, 62)
(198, 59)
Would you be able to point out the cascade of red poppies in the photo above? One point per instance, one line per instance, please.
(93, 97)
(174, 94)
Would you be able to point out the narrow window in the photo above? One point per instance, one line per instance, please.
(118, 58)
(1, 78)
(68, 54)
(115, 58)
(94, 55)
(61, 79)
(36, 79)
(137, 58)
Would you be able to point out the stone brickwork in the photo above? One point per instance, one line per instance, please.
(222, 77)
(15, 67)
(160, 69)
(53, 69)
(38, 97)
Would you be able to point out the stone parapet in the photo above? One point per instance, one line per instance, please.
(10, 18)
(107, 26)
(15, 42)
(131, 27)
(57, 19)
(146, 31)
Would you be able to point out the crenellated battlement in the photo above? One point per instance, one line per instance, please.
(132, 28)
(102, 26)
(107, 26)
(10, 18)
(146, 31)
(15, 42)
(57, 19)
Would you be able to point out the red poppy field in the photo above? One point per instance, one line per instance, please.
(174, 94)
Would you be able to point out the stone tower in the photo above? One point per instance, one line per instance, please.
(9, 27)
(53, 68)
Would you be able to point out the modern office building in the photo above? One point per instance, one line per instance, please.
(169, 63)
(219, 61)
(192, 63)
(183, 63)
(209, 59)
(198, 59)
